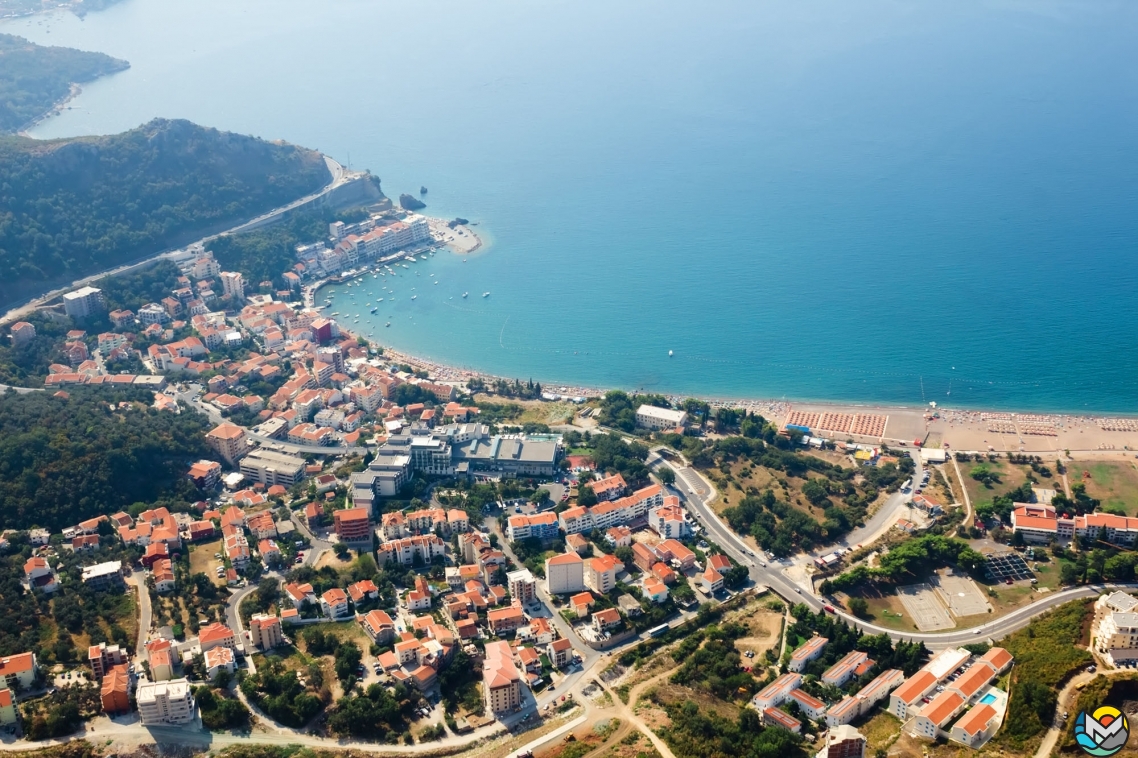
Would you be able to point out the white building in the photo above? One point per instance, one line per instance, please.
(84, 302)
(270, 467)
(169, 702)
(565, 574)
(651, 417)
(522, 586)
(232, 285)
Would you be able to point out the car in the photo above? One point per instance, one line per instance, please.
(1008, 581)
(798, 590)
(975, 631)
(299, 559)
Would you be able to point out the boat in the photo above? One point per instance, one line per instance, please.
(414, 296)
(335, 313)
(388, 324)
(373, 310)
(464, 294)
(670, 353)
(380, 300)
(486, 294)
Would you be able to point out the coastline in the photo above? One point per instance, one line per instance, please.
(954, 429)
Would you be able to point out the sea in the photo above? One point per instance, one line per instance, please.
(881, 202)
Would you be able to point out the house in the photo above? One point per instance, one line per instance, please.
(811, 706)
(216, 635)
(655, 590)
(529, 660)
(617, 536)
(506, 619)
(581, 603)
(415, 600)
(262, 526)
(334, 603)
(565, 573)
(710, 581)
(643, 557)
(673, 551)
(537, 631)
(609, 488)
(973, 681)
(607, 619)
(542, 526)
(265, 631)
(40, 576)
(776, 717)
(18, 671)
(664, 574)
(668, 521)
(219, 659)
(560, 653)
(378, 626)
(163, 574)
(362, 591)
(807, 652)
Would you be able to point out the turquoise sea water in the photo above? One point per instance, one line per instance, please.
(881, 201)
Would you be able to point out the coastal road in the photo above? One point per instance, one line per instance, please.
(339, 177)
(773, 577)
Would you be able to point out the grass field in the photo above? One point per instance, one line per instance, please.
(1011, 476)
(203, 562)
(1115, 483)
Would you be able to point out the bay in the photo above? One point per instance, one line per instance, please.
(883, 201)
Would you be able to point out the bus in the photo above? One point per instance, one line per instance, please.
(656, 631)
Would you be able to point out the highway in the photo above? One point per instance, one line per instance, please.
(697, 492)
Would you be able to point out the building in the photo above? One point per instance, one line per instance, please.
(807, 652)
(843, 742)
(651, 417)
(609, 488)
(170, 702)
(219, 659)
(229, 441)
(811, 706)
(907, 698)
(114, 692)
(668, 521)
(508, 619)
(270, 467)
(18, 671)
(22, 333)
(542, 526)
(103, 575)
(409, 549)
(560, 652)
(232, 285)
(522, 586)
(379, 627)
(775, 717)
(265, 631)
(601, 572)
(205, 474)
(845, 669)
(216, 635)
(776, 692)
(501, 679)
(334, 603)
(352, 525)
(7, 707)
(977, 726)
(565, 574)
(933, 718)
(103, 657)
(84, 302)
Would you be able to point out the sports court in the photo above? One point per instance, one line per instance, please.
(922, 603)
(961, 595)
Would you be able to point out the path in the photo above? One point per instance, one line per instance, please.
(964, 490)
(145, 613)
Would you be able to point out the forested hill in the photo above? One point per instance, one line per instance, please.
(78, 206)
(65, 460)
(33, 78)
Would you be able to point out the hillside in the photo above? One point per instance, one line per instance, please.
(65, 460)
(33, 78)
(77, 206)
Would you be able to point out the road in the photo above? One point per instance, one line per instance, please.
(772, 576)
(145, 613)
(339, 176)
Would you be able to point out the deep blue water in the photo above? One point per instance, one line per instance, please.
(873, 201)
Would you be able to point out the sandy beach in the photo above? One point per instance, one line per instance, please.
(461, 239)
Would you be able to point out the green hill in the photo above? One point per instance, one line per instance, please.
(33, 78)
(73, 207)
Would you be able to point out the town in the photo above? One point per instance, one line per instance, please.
(371, 553)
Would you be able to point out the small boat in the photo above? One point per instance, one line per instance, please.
(670, 353)
(464, 294)
(380, 300)
(335, 313)
(373, 310)
(414, 296)
(388, 324)
(486, 294)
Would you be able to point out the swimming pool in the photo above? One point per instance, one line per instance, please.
(988, 699)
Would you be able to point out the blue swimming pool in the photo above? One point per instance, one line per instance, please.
(988, 699)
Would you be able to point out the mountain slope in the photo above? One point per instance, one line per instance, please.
(77, 206)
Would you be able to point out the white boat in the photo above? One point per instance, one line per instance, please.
(486, 294)
(464, 294)
(414, 296)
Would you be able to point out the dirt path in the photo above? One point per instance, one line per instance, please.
(627, 714)
(964, 491)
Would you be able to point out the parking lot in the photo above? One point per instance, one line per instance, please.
(922, 603)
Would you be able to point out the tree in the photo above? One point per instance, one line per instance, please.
(859, 607)
(586, 496)
(667, 475)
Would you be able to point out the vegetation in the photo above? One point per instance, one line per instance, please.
(61, 713)
(618, 409)
(62, 461)
(220, 712)
(1041, 667)
(279, 693)
(34, 78)
(909, 561)
(377, 714)
(697, 734)
(75, 206)
(27, 365)
(266, 254)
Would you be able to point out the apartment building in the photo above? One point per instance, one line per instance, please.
(565, 574)
(84, 302)
(777, 691)
(265, 631)
(501, 679)
(169, 702)
(229, 441)
(352, 525)
(807, 652)
(600, 573)
(651, 417)
(522, 586)
(843, 742)
(847, 668)
(270, 468)
(542, 526)
(18, 671)
(103, 657)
